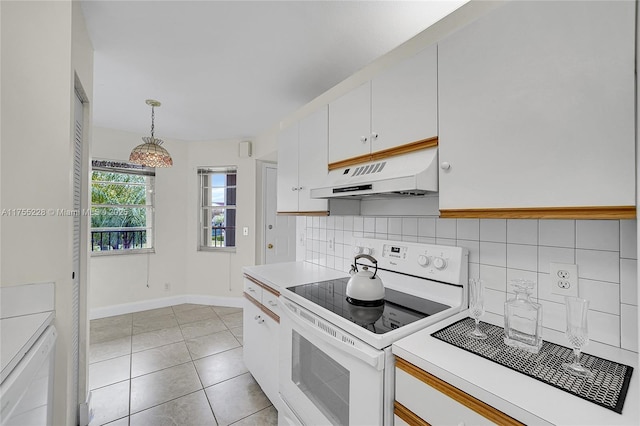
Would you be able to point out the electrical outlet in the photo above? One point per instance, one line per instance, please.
(564, 279)
(167, 286)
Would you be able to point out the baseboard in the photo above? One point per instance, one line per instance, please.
(144, 305)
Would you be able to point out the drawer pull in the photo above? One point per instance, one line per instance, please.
(272, 303)
(259, 319)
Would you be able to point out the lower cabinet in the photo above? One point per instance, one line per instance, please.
(424, 399)
(260, 342)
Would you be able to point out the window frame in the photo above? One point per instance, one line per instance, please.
(203, 171)
(122, 167)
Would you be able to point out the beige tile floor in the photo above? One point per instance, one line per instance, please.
(178, 365)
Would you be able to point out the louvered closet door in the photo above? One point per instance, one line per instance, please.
(77, 197)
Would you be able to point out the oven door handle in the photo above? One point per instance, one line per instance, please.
(367, 354)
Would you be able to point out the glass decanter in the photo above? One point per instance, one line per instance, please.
(523, 318)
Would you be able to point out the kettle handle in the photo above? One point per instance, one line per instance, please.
(370, 259)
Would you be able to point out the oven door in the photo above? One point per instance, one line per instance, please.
(327, 377)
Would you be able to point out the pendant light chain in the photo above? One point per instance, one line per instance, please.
(153, 115)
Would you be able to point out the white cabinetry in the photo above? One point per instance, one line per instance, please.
(404, 102)
(350, 124)
(536, 108)
(260, 336)
(302, 164)
(397, 107)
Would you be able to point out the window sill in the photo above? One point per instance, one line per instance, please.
(122, 252)
(217, 249)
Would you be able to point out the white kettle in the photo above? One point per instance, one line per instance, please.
(365, 288)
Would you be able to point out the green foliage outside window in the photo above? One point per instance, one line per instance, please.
(121, 211)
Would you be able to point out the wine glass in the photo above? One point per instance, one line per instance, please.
(476, 306)
(577, 333)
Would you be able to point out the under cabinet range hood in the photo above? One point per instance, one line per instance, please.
(411, 174)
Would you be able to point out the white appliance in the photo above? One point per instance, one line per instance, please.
(411, 174)
(27, 354)
(336, 365)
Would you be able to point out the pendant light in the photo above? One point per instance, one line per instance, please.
(150, 153)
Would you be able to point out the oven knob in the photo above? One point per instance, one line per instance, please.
(367, 250)
(439, 263)
(357, 249)
(423, 260)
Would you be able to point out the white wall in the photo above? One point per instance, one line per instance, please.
(217, 273)
(121, 280)
(44, 47)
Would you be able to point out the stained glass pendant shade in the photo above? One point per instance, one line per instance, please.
(151, 153)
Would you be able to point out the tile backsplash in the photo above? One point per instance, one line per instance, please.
(503, 249)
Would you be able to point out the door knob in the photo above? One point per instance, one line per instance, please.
(269, 246)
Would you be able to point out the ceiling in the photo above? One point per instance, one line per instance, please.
(233, 69)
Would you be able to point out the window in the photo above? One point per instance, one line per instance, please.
(217, 208)
(122, 207)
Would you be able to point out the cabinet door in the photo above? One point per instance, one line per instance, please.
(404, 101)
(536, 107)
(287, 194)
(312, 159)
(350, 124)
(260, 352)
(252, 339)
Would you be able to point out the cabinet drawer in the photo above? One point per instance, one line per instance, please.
(271, 302)
(254, 290)
(433, 406)
(437, 402)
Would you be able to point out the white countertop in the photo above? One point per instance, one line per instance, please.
(287, 274)
(517, 395)
(17, 335)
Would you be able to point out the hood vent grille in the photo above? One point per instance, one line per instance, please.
(368, 169)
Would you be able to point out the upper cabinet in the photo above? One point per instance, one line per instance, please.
(536, 112)
(396, 108)
(302, 164)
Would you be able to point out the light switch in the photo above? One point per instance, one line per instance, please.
(245, 231)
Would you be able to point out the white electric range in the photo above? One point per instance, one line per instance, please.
(336, 361)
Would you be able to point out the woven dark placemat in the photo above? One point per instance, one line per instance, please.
(608, 388)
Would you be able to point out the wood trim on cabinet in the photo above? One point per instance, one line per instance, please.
(456, 394)
(407, 415)
(252, 300)
(385, 153)
(586, 212)
(314, 213)
(272, 314)
(404, 149)
(349, 162)
(263, 285)
(264, 309)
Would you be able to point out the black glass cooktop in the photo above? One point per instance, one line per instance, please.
(399, 308)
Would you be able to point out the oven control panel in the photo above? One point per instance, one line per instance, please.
(442, 263)
(394, 251)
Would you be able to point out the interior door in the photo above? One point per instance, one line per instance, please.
(280, 230)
